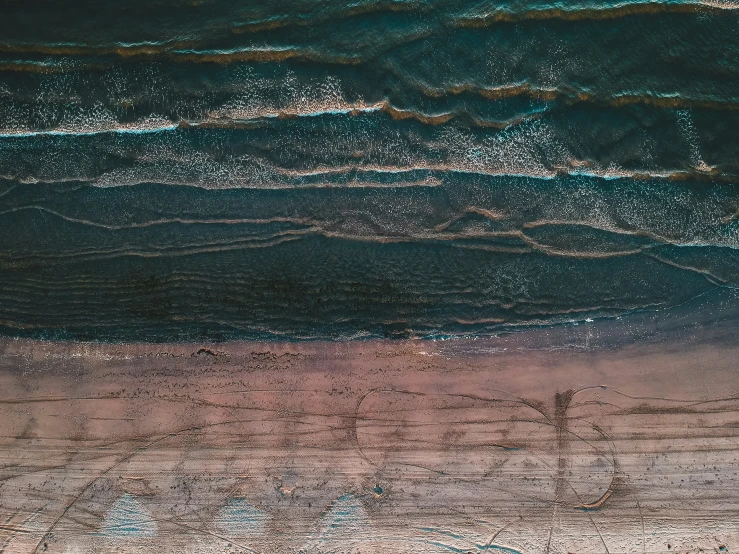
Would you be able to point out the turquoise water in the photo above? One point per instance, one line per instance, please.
(325, 170)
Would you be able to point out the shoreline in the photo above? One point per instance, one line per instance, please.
(711, 318)
(542, 442)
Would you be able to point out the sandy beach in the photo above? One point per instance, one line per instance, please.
(369, 277)
(417, 446)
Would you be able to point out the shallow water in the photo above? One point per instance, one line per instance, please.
(306, 170)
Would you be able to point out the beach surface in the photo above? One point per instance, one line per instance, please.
(543, 441)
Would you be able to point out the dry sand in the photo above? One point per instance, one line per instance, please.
(456, 446)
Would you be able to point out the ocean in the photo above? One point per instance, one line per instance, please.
(325, 170)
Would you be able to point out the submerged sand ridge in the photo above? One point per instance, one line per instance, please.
(416, 446)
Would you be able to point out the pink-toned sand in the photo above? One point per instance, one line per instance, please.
(455, 446)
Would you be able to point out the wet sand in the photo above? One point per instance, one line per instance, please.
(516, 445)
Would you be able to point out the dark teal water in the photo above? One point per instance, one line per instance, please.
(213, 170)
